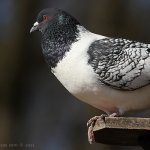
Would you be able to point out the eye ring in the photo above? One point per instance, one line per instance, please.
(45, 17)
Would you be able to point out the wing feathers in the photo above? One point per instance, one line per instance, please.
(121, 63)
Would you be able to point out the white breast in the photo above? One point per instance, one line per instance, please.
(73, 70)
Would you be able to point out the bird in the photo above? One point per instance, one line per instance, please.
(110, 74)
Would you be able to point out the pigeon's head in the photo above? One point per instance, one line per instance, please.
(51, 18)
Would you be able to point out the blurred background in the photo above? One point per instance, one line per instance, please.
(36, 112)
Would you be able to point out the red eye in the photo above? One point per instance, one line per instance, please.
(45, 17)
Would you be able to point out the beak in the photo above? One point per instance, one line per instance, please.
(35, 27)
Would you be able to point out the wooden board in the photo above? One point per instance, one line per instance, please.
(122, 131)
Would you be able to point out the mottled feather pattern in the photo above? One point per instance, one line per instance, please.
(120, 62)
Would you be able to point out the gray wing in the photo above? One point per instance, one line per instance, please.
(121, 63)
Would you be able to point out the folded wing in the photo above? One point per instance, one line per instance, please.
(121, 63)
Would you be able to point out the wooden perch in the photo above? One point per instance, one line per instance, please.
(123, 131)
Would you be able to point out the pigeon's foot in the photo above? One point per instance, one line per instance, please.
(91, 123)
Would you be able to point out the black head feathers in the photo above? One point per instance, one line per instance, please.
(59, 30)
(50, 17)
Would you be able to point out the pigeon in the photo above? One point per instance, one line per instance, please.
(111, 74)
